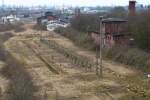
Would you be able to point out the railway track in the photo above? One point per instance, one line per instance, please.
(106, 95)
(48, 64)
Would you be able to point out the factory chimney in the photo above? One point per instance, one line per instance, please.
(132, 7)
(77, 12)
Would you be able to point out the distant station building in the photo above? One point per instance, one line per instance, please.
(47, 17)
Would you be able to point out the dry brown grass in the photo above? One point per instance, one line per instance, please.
(21, 86)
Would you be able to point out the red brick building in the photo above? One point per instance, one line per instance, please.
(113, 33)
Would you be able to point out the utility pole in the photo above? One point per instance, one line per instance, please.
(99, 63)
(101, 47)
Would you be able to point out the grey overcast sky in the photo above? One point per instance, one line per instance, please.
(72, 2)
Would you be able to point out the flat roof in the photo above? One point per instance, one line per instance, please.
(113, 20)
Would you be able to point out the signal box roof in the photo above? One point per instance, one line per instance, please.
(107, 20)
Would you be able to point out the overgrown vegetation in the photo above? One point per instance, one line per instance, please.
(17, 27)
(130, 56)
(79, 38)
(138, 26)
(137, 86)
(21, 86)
